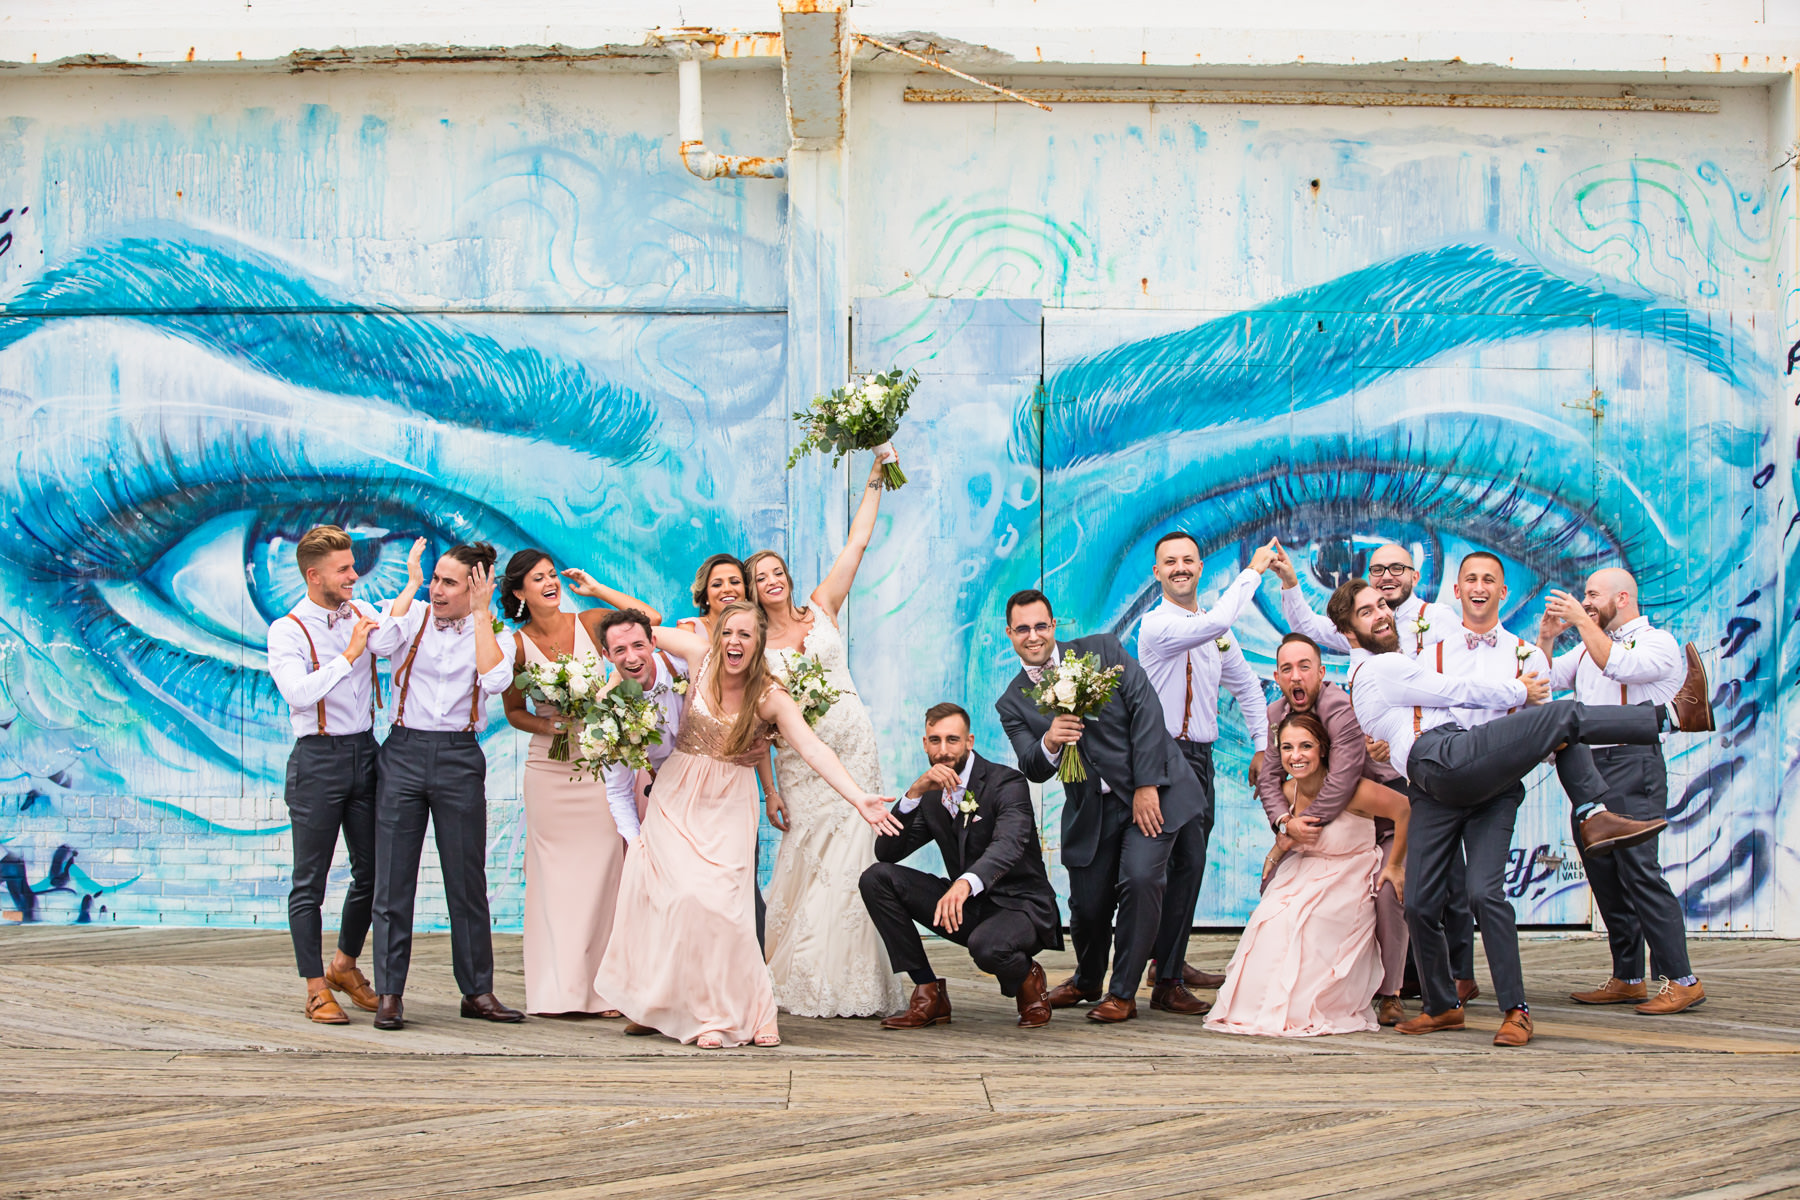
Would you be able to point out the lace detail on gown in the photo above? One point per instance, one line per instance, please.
(824, 954)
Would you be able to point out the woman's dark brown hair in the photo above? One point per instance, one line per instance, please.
(1310, 725)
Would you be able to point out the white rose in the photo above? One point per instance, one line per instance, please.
(1065, 692)
(554, 694)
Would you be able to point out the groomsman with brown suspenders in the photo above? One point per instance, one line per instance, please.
(1623, 659)
(432, 767)
(322, 658)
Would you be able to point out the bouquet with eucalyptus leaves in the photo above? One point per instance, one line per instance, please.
(862, 415)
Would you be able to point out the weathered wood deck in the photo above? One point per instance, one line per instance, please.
(174, 1063)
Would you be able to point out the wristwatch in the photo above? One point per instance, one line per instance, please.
(1281, 825)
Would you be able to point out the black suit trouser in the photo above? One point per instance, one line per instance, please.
(1187, 870)
(1116, 901)
(1440, 837)
(441, 777)
(1000, 940)
(1468, 767)
(331, 788)
(1629, 889)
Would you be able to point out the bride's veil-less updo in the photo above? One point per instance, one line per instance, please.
(742, 737)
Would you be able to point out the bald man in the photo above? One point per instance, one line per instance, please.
(1623, 659)
(1418, 621)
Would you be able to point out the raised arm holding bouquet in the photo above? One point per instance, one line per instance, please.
(862, 415)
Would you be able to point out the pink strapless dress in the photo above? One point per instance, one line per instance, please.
(1307, 964)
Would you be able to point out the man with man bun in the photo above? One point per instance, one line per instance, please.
(433, 768)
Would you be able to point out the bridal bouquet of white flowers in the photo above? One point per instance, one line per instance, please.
(569, 685)
(804, 677)
(1079, 687)
(620, 726)
(863, 415)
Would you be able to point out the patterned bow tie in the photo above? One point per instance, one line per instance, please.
(1618, 635)
(1036, 674)
(343, 612)
(1490, 638)
(454, 624)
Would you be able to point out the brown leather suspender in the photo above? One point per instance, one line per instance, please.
(1187, 703)
(313, 652)
(406, 668)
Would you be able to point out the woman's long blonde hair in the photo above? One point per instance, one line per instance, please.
(750, 581)
(742, 737)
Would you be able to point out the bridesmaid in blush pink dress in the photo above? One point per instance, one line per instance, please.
(1308, 963)
(683, 959)
(573, 851)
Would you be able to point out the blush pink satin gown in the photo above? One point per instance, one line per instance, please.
(573, 858)
(683, 957)
(1308, 964)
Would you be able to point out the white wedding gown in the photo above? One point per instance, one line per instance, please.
(824, 954)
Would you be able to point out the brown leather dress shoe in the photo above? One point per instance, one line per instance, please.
(1112, 1010)
(1068, 994)
(1389, 1011)
(354, 984)
(930, 1006)
(1467, 990)
(322, 1009)
(487, 1007)
(1172, 996)
(1427, 1023)
(1674, 998)
(1515, 1030)
(633, 1029)
(1613, 991)
(1606, 831)
(1034, 1009)
(1204, 980)
(389, 1013)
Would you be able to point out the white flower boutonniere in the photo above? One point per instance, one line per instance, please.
(968, 804)
(1418, 625)
(1524, 650)
(1222, 645)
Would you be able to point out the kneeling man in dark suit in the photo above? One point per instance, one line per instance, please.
(1000, 904)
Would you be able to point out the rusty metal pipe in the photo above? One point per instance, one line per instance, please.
(694, 154)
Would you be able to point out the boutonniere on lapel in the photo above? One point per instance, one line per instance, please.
(1418, 625)
(1222, 645)
(967, 806)
(1523, 650)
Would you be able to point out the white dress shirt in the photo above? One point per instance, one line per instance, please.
(1501, 661)
(1172, 641)
(439, 688)
(344, 687)
(1418, 622)
(952, 797)
(1645, 667)
(621, 780)
(1393, 693)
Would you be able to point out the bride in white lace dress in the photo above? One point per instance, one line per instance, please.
(825, 957)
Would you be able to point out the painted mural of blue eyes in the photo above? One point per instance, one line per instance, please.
(1350, 498)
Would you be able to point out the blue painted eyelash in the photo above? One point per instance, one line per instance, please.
(1315, 345)
(241, 304)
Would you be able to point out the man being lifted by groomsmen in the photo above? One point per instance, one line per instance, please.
(1188, 652)
(1623, 659)
(1402, 702)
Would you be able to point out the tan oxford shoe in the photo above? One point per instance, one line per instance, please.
(1613, 991)
(354, 984)
(1673, 998)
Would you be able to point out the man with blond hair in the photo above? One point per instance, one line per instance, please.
(322, 657)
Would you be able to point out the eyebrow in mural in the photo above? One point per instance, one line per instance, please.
(249, 307)
(1377, 321)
